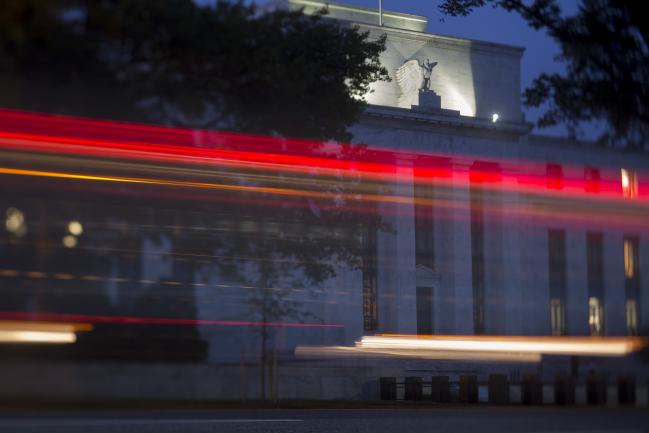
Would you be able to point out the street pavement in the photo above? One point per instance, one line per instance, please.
(447, 420)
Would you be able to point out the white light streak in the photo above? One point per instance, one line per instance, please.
(47, 337)
(604, 346)
(40, 332)
(476, 348)
(356, 352)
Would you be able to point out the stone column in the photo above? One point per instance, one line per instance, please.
(463, 289)
(404, 259)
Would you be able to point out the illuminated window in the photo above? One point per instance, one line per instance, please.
(557, 317)
(631, 282)
(632, 317)
(557, 274)
(630, 260)
(629, 180)
(595, 274)
(595, 317)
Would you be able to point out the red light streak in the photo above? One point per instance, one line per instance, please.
(104, 139)
(136, 320)
(513, 210)
(323, 166)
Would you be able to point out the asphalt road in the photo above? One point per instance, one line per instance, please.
(448, 420)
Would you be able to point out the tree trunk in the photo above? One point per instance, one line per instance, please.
(264, 273)
(264, 333)
(262, 364)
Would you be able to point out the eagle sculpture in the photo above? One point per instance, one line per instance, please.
(411, 77)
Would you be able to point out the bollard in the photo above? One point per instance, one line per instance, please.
(468, 388)
(498, 389)
(626, 390)
(515, 394)
(595, 389)
(388, 388)
(532, 389)
(413, 389)
(564, 390)
(547, 391)
(440, 390)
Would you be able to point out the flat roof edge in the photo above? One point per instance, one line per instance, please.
(362, 9)
(417, 20)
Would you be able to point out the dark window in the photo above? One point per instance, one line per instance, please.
(370, 292)
(424, 248)
(424, 310)
(481, 176)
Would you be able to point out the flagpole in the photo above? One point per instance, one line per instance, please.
(381, 12)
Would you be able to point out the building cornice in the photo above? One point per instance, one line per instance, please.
(447, 119)
(370, 12)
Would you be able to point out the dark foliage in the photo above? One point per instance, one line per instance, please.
(227, 66)
(605, 47)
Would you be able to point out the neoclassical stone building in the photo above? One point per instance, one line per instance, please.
(496, 231)
(556, 247)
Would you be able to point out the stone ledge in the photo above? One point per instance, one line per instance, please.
(450, 118)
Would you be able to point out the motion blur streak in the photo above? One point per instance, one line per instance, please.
(587, 346)
(11, 325)
(477, 348)
(315, 352)
(567, 214)
(127, 320)
(78, 176)
(201, 185)
(82, 137)
(45, 337)
(17, 332)
(423, 174)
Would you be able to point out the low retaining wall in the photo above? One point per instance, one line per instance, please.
(497, 389)
(304, 381)
(198, 382)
